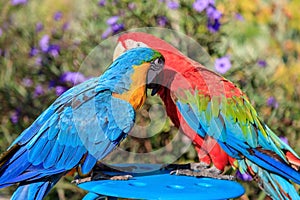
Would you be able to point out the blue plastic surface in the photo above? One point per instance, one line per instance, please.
(161, 185)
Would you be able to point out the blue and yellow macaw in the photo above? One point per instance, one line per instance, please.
(82, 126)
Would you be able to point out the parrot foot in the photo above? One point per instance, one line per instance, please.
(101, 176)
(102, 167)
(192, 166)
(81, 180)
(210, 173)
(176, 166)
(121, 178)
(200, 166)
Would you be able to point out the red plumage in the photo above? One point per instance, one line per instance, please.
(189, 75)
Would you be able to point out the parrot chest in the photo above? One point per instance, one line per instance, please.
(136, 98)
(136, 95)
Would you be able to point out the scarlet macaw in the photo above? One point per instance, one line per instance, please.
(82, 126)
(206, 105)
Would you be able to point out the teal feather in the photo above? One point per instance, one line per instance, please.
(217, 129)
(234, 124)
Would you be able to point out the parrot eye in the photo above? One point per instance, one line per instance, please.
(140, 44)
(157, 64)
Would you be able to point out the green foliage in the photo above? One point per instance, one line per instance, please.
(263, 46)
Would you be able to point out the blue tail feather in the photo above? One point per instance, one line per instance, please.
(89, 162)
(274, 185)
(35, 190)
(265, 161)
(281, 168)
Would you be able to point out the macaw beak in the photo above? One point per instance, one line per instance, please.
(155, 75)
(118, 51)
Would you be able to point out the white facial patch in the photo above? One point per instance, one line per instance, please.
(130, 44)
(118, 50)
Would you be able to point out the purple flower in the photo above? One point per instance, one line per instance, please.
(213, 26)
(102, 3)
(262, 63)
(57, 15)
(38, 91)
(52, 84)
(214, 16)
(131, 6)
(213, 13)
(200, 5)
(284, 139)
(239, 17)
(117, 27)
(44, 43)
(113, 20)
(107, 32)
(213, 23)
(33, 51)
(53, 50)
(173, 5)
(72, 77)
(18, 2)
(14, 117)
(271, 102)
(223, 64)
(162, 21)
(38, 61)
(59, 90)
(1, 32)
(243, 177)
(39, 27)
(27, 82)
(65, 26)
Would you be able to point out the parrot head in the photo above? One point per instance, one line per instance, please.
(175, 62)
(138, 69)
(139, 39)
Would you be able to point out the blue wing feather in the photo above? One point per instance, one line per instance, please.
(88, 164)
(79, 128)
(55, 144)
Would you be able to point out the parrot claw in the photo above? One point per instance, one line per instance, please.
(81, 180)
(175, 166)
(101, 176)
(121, 178)
(103, 167)
(192, 166)
(198, 170)
(199, 166)
(210, 173)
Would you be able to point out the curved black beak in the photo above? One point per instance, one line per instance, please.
(154, 76)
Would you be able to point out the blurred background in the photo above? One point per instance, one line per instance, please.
(255, 44)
